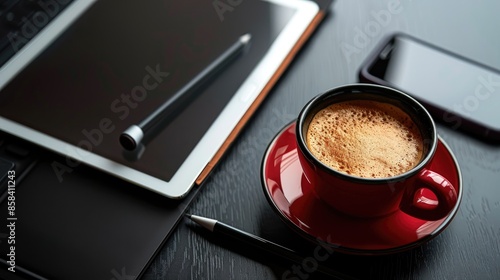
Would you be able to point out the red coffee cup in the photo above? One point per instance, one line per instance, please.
(372, 197)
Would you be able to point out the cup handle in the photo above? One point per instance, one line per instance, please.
(413, 205)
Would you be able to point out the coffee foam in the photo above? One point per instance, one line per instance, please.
(365, 138)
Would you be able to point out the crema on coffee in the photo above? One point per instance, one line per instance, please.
(365, 138)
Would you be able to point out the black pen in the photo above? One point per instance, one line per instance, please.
(263, 244)
(131, 138)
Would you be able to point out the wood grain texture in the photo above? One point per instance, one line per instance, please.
(468, 249)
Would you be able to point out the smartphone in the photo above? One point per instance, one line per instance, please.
(457, 91)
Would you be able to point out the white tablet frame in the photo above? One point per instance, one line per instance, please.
(185, 177)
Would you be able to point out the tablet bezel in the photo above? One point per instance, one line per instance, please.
(185, 177)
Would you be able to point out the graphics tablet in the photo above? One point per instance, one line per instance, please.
(102, 66)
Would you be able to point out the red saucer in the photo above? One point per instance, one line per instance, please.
(291, 196)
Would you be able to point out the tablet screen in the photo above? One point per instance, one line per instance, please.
(121, 60)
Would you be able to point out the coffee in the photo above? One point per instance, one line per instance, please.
(365, 138)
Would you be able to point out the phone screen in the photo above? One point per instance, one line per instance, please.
(456, 90)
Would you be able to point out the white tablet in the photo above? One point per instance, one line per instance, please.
(102, 66)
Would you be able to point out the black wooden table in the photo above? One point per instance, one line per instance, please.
(469, 248)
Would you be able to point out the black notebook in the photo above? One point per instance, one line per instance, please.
(74, 205)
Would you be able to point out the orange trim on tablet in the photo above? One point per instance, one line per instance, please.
(281, 69)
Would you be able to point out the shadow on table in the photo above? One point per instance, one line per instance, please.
(404, 265)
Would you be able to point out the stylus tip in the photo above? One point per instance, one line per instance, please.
(245, 38)
(127, 142)
(131, 137)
